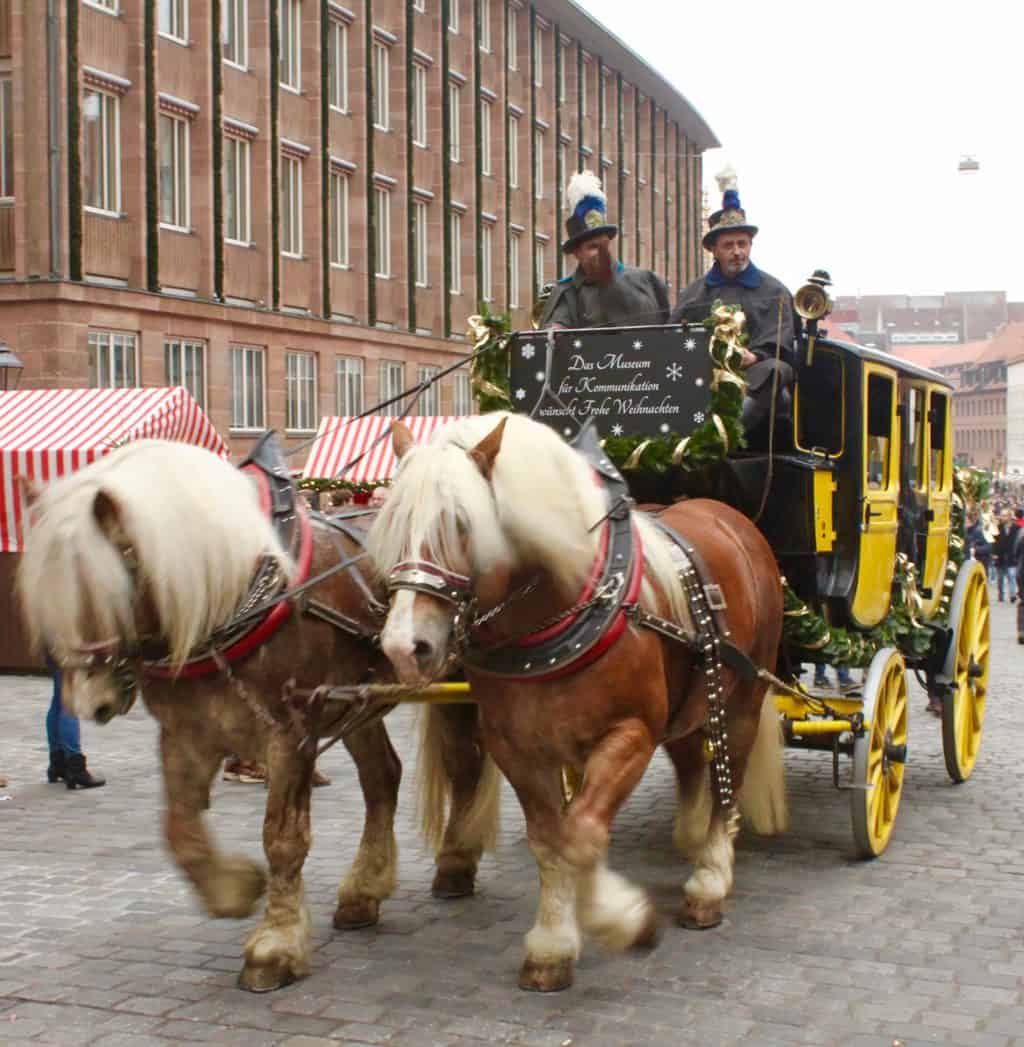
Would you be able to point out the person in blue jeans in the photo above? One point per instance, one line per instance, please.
(844, 680)
(67, 762)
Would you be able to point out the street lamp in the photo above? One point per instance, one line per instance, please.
(10, 368)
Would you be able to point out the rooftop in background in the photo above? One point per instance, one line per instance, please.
(1007, 345)
(949, 318)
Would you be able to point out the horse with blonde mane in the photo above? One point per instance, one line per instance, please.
(489, 541)
(150, 552)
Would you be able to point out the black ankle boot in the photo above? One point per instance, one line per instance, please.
(58, 766)
(77, 776)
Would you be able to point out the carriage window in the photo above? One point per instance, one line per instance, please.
(879, 434)
(937, 441)
(820, 404)
(915, 438)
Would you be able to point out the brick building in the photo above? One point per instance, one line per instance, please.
(292, 206)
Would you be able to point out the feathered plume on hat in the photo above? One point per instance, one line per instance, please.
(587, 206)
(731, 217)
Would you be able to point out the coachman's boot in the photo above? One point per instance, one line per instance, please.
(58, 766)
(77, 775)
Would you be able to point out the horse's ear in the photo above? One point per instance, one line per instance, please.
(28, 489)
(487, 450)
(107, 513)
(401, 438)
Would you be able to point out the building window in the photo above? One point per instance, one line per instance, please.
(563, 57)
(583, 91)
(236, 190)
(235, 32)
(337, 64)
(540, 249)
(419, 105)
(538, 56)
(513, 271)
(419, 217)
(512, 44)
(291, 43)
(455, 251)
(382, 200)
(112, 363)
(563, 160)
(291, 206)
(348, 386)
(380, 86)
(538, 163)
(453, 16)
(486, 261)
(174, 19)
(454, 133)
(174, 163)
(300, 391)
(419, 5)
(6, 141)
(485, 25)
(392, 384)
(428, 402)
(101, 151)
(604, 102)
(339, 219)
(485, 137)
(247, 382)
(185, 365)
(462, 395)
(513, 152)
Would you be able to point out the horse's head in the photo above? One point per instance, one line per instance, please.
(439, 543)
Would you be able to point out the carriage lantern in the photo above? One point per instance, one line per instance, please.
(813, 303)
(10, 368)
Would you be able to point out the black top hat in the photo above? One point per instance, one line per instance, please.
(587, 206)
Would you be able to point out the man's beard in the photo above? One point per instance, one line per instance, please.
(598, 268)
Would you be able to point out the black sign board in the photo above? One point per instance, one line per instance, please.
(644, 381)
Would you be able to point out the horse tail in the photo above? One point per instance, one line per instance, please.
(763, 796)
(478, 823)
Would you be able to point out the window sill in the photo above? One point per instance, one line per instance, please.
(291, 90)
(294, 257)
(340, 111)
(383, 130)
(300, 432)
(235, 65)
(180, 41)
(101, 212)
(235, 430)
(239, 243)
(185, 230)
(342, 266)
(100, 7)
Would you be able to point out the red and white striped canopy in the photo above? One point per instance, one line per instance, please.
(47, 433)
(340, 440)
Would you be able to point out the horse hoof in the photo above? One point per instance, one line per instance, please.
(546, 977)
(700, 916)
(234, 888)
(458, 883)
(649, 933)
(355, 913)
(265, 977)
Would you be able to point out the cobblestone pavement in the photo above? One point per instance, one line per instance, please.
(101, 943)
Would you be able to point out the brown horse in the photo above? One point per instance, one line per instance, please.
(155, 546)
(504, 519)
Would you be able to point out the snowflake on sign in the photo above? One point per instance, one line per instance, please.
(664, 427)
(527, 351)
(539, 376)
(674, 371)
(520, 394)
(638, 344)
(698, 417)
(699, 382)
(578, 343)
(616, 430)
(689, 345)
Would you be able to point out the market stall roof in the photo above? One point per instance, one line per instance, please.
(340, 441)
(48, 433)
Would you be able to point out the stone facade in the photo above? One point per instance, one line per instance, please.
(414, 132)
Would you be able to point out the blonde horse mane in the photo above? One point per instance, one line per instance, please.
(196, 529)
(539, 508)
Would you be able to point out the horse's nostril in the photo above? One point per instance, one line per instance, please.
(104, 713)
(422, 650)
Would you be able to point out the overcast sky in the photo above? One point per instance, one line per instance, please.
(846, 122)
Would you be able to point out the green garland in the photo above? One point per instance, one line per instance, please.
(490, 332)
(319, 484)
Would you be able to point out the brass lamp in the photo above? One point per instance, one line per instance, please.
(813, 304)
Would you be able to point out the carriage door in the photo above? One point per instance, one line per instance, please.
(879, 503)
(940, 495)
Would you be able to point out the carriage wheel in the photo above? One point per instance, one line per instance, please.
(966, 671)
(879, 754)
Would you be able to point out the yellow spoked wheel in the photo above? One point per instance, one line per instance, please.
(879, 754)
(966, 671)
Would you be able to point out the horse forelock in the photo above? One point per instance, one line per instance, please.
(195, 529)
(538, 509)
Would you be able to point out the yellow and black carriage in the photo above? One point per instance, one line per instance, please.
(855, 493)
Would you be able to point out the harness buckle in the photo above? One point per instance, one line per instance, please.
(715, 597)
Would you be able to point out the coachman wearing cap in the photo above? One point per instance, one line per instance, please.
(602, 292)
(735, 280)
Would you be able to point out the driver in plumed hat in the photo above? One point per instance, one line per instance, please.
(602, 292)
(735, 280)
